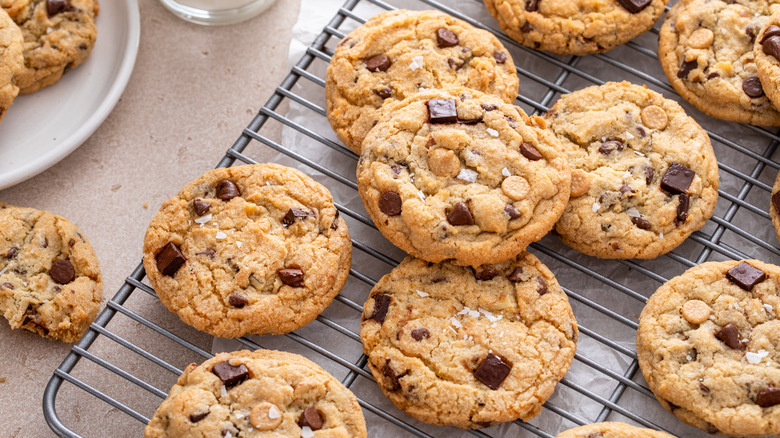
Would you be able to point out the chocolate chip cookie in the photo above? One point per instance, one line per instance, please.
(11, 60)
(469, 347)
(708, 347)
(575, 27)
(50, 280)
(58, 36)
(257, 393)
(766, 51)
(456, 174)
(644, 176)
(706, 50)
(396, 54)
(253, 249)
(612, 430)
(774, 206)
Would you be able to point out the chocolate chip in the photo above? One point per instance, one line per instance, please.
(745, 276)
(776, 202)
(10, 253)
(489, 106)
(198, 416)
(771, 46)
(378, 63)
(390, 203)
(751, 31)
(71, 243)
(526, 27)
(207, 252)
(610, 146)
(384, 92)
(768, 397)
(512, 211)
(532, 5)
(771, 31)
(703, 388)
(730, 336)
(649, 173)
(295, 213)
(62, 271)
(393, 378)
(625, 189)
(460, 215)
(752, 87)
(237, 301)
(230, 375)
(634, 6)
(311, 417)
(397, 168)
(542, 285)
(500, 57)
(486, 274)
(438, 279)
(227, 190)
(530, 152)
(335, 224)
(492, 371)
(455, 63)
(677, 178)
(471, 122)
(381, 304)
(442, 111)
(45, 243)
(713, 75)
(291, 276)
(682, 207)
(169, 259)
(8, 286)
(641, 223)
(641, 131)
(420, 334)
(686, 68)
(54, 7)
(446, 38)
(201, 207)
(516, 275)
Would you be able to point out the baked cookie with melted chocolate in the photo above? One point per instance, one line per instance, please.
(11, 60)
(469, 347)
(707, 346)
(253, 249)
(612, 430)
(766, 51)
(257, 393)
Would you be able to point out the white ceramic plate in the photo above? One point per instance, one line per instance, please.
(42, 128)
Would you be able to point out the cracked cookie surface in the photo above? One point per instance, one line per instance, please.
(11, 60)
(467, 347)
(706, 51)
(644, 175)
(456, 174)
(396, 54)
(253, 249)
(262, 393)
(50, 281)
(708, 347)
(612, 430)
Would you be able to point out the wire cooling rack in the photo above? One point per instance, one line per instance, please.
(603, 383)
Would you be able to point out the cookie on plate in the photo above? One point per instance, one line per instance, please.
(50, 280)
(706, 51)
(766, 51)
(457, 174)
(612, 430)
(469, 347)
(774, 206)
(253, 249)
(257, 393)
(707, 346)
(644, 176)
(575, 27)
(11, 60)
(396, 54)
(58, 36)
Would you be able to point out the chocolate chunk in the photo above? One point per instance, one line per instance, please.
(201, 207)
(335, 224)
(649, 173)
(381, 304)
(198, 416)
(378, 63)
(420, 334)
(768, 397)
(438, 279)
(677, 178)
(295, 213)
(460, 215)
(62, 271)
(730, 336)
(752, 87)
(397, 168)
(530, 152)
(713, 75)
(641, 223)
(291, 276)
(686, 68)
(542, 285)
(446, 38)
(776, 202)
(492, 371)
(8, 286)
(771, 31)
(230, 375)
(169, 259)
(500, 57)
(703, 388)
(771, 46)
(610, 146)
(455, 63)
(526, 27)
(516, 275)
(512, 211)
(10, 252)
(71, 243)
(311, 417)
(625, 189)
(393, 378)
(486, 274)
(54, 7)
(45, 243)
(471, 122)
(442, 111)
(489, 106)
(384, 92)
(634, 6)
(641, 131)
(745, 276)
(237, 301)
(227, 190)
(390, 203)
(682, 207)
(532, 5)
(752, 31)
(207, 252)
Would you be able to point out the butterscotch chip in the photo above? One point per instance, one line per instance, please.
(580, 183)
(695, 311)
(443, 162)
(515, 187)
(701, 39)
(265, 416)
(654, 117)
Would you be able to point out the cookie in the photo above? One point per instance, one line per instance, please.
(58, 36)
(468, 347)
(612, 430)
(706, 51)
(254, 249)
(456, 174)
(396, 54)
(11, 60)
(50, 280)
(644, 176)
(774, 206)
(766, 51)
(707, 346)
(257, 393)
(578, 27)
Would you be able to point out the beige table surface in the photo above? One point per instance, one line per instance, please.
(192, 92)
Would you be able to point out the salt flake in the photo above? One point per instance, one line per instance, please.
(505, 172)
(417, 63)
(769, 308)
(596, 207)
(238, 244)
(639, 153)
(629, 136)
(455, 322)
(467, 175)
(492, 132)
(306, 432)
(223, 391)
(203, 219)
(423, 294)
(756, 357)
(633, 212)
(221, 235)
(490, 316)
(273, 413)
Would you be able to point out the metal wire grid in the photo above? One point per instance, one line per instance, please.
(739, 229)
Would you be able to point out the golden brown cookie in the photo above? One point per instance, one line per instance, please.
(774, 206)
(612, 430)
(11, 60)
(766, 51)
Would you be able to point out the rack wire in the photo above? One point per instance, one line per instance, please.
(603, 383)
